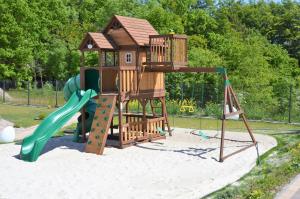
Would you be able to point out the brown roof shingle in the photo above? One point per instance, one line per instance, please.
(100, 40)
(139, 29)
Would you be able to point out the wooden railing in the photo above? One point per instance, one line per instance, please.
(133, 130)
(152, 125)
(168, 50)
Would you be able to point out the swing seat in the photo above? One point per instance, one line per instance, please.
(189, 108)
(201, 134)
(162, 132)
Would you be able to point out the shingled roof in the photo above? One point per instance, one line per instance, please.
(99, 39)
(138, 29)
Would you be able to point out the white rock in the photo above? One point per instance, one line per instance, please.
(7, 134)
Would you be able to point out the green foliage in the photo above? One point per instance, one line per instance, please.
(213, 110)
(277, 167)
(258, 42)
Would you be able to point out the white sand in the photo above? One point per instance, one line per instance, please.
(182, 166)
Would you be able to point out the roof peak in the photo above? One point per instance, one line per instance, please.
(138, 29)
(134, 18)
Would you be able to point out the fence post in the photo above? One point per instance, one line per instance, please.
(3, 93)
(28, 93)
(202, 94)
(56, 90)
(290, 103)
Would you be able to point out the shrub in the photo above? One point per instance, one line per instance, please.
(212, 109)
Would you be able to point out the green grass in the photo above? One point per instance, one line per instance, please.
(36, 97)
(213, 124)
(23, 116)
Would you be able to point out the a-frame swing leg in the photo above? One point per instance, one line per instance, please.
(223, 125)
(231, 100)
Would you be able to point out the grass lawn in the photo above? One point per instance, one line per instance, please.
(36, 97)
(233, 125)
(23, 116)
(277, 166)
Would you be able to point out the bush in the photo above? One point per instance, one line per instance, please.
(40, 117)
(213, 109)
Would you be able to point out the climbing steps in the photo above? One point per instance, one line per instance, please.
(101, 123)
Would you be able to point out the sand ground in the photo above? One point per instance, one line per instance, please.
(182, 166)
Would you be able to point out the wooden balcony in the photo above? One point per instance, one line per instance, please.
(168, 51)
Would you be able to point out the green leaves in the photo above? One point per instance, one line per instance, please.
(254, 41)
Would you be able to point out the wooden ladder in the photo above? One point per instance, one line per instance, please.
(101, 124)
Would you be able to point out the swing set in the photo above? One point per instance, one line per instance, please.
(231, 107)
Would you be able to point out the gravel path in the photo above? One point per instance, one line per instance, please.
(291, 190)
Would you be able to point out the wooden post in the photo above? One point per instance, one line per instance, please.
(82, 87)
(100, 64)
(114, 54)
(144, 118)
(243, 115)
(223, 119)
(120, 105)
(172, 52)
(138, 69)
(127, 109)
(165, 114)
(105, 60)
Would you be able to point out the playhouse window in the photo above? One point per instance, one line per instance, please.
(128, 58)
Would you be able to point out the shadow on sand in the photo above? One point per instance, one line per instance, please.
(192, 151)
(64, 142)
(198, 152)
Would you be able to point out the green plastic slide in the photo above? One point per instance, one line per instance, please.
(33, 145)
(73, 85)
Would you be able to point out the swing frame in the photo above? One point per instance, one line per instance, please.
(230, 99)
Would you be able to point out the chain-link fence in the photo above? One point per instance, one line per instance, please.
(185, 100)
(206, 100)
(38, 93)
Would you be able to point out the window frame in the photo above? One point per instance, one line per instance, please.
(130, 57)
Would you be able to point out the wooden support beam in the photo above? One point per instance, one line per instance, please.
(182, 69)
(223, 125)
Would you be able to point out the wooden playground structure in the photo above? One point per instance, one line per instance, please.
(132, 61)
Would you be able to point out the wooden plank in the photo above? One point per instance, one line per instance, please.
(182, 69)
(101, 124)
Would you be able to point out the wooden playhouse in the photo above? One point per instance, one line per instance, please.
(132, 61)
